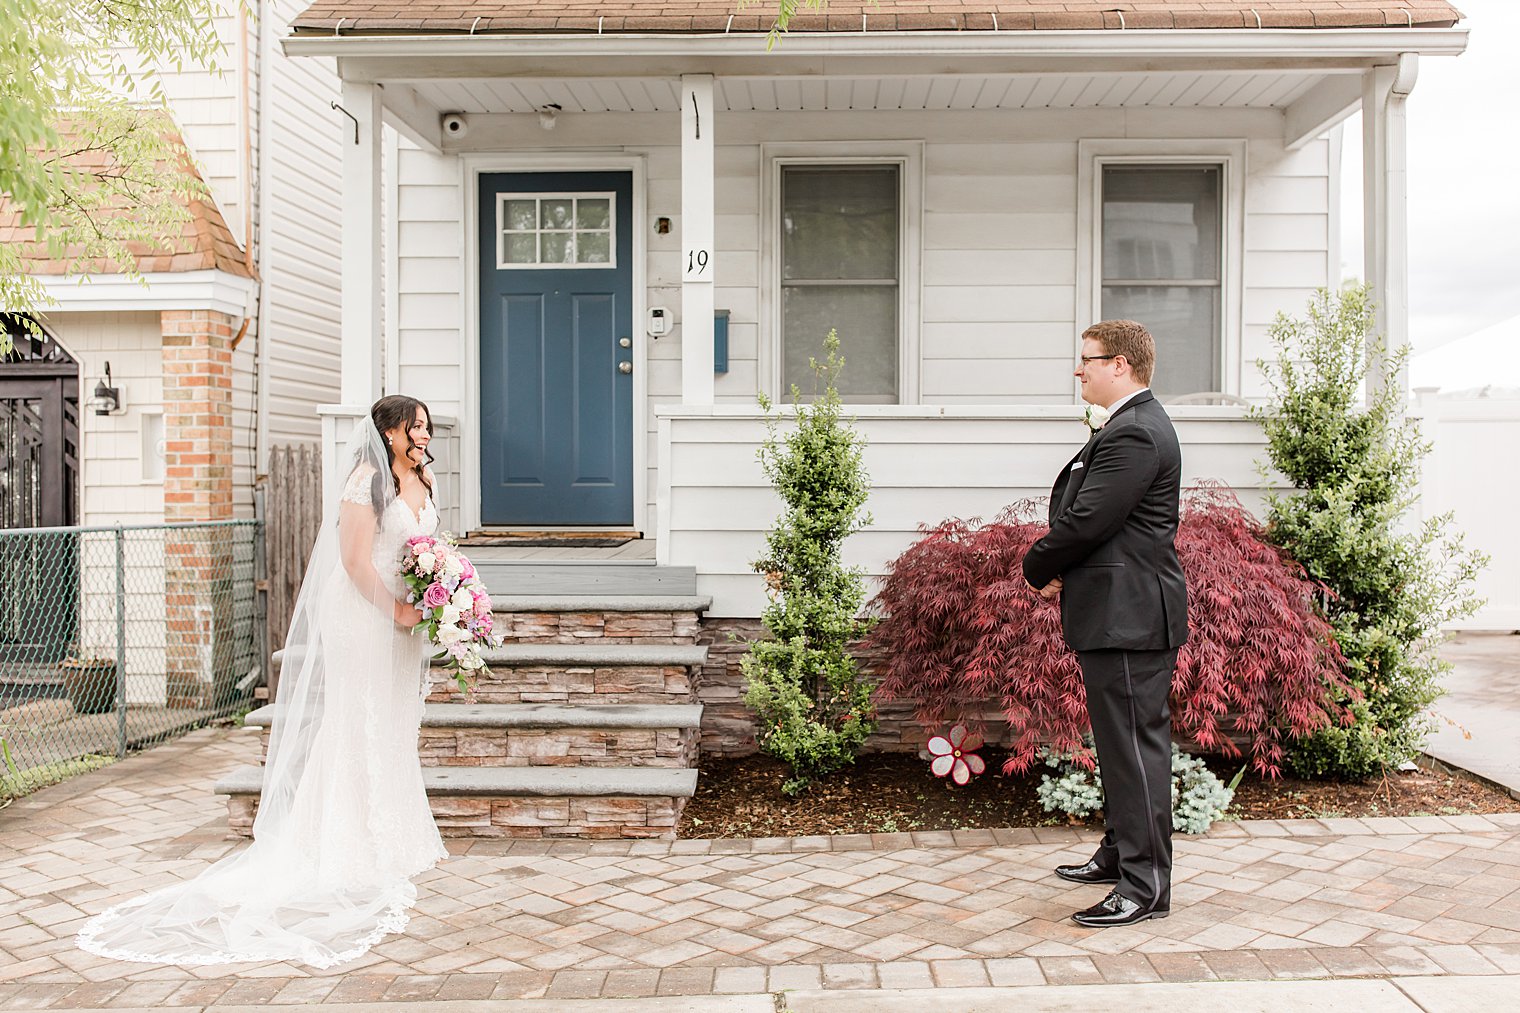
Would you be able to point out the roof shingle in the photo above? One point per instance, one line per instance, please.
(204, 241)
(720, 16)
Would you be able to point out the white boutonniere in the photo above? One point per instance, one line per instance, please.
(1096, 417)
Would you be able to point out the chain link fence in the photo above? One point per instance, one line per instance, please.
(112, 639)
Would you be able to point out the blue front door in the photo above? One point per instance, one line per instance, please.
(556, 355)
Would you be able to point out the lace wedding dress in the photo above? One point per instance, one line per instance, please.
(343, 823)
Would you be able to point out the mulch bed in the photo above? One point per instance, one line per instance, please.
(892, 792)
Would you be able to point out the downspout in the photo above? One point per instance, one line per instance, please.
(263, 160)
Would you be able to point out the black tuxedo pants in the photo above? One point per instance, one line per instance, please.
(1127, 695)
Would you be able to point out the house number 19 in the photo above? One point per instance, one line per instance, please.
(698, 266)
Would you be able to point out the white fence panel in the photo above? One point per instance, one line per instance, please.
(1470, 473)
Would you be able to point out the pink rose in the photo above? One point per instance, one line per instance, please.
(435, 596)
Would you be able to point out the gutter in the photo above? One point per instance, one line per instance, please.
(1152, 43)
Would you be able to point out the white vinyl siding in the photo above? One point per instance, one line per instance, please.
(299, 260)
(925, 464)
(997, 284)
(111, 484)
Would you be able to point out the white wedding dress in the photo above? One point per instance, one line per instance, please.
(343, 823)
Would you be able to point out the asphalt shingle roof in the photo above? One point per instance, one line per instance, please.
(706, 16)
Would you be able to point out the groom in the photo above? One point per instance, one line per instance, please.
(1110, 557)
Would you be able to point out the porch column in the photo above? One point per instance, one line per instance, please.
(697, 254)
(359, 376)
(1385, 193)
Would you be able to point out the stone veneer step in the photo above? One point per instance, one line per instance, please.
(601, 603)
(533, 803)
(584, 655)
(612, 782)
(597, 655)
(540, 715)
(546, 735)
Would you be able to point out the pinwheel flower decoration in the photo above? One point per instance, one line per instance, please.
(955, 756)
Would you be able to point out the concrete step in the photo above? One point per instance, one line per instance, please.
(506, 578)
(524, 802)
(602, 603)
(543, 735)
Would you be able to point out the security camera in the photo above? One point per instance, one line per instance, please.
(455, 125)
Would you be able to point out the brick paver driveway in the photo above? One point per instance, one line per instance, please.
(1256, 900)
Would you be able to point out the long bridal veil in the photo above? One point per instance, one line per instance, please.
(314, 887)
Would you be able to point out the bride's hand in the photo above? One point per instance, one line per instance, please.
(406, 615)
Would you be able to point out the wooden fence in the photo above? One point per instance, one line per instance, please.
(292, 515)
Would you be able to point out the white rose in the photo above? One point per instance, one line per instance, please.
(425, 562)
(450, 635)
(1096, 416)
(463, 600)
(472, 661)
(450, 617)
(452, 566)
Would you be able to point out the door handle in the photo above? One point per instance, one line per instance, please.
(625, 367)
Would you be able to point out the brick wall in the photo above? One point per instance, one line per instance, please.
(197, 363)
(197, 391)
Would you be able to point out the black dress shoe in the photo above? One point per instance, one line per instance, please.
(1117, 909)
(1092, 872)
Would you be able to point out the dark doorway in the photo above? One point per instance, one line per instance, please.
(39, 488)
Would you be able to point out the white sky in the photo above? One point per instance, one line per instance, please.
(1464, 183)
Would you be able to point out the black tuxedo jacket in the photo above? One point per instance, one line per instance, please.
(1113, 527)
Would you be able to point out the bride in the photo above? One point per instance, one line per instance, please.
(343, 822)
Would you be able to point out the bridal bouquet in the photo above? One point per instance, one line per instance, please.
(456, 610)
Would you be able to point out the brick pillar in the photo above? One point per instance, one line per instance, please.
(197, 367)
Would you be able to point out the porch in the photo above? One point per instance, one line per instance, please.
(998, 150)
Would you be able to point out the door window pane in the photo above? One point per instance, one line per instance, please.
(593, 247)
(840, 263)
(1162, 237)
(591, 213)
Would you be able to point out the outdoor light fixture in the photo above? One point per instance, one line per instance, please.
(546, 115)
(106, 398)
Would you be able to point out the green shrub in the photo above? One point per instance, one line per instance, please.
(1354, 459)
(814, 710)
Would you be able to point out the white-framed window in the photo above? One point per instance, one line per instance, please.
(1160, 224)
(537, 231)
(841, 254)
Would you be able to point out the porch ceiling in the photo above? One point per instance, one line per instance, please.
(1193, 89)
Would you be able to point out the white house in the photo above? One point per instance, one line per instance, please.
(248, 296)
(607, 229)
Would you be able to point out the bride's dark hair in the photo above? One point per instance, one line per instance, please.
(399, 411)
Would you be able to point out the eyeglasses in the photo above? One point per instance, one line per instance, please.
(1093, 358)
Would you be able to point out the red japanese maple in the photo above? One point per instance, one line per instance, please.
(963, 627)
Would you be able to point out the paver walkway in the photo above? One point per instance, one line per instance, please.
(1479, 728)
(1257, 900)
